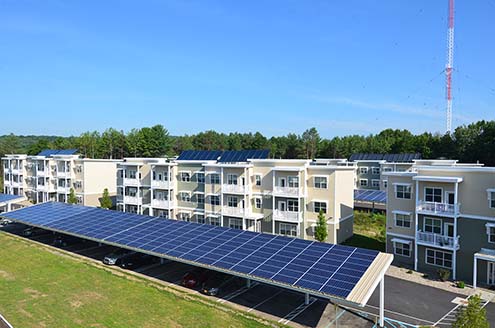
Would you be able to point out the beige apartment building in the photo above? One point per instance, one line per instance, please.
(233, 189)
(50, 175)
(441, 215)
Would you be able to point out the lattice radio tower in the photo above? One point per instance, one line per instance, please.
(450, 62)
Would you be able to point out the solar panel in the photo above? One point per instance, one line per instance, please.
(7, 198)
(318, 268)
(199, 155)
(393, 158)
(51, 152)
(232, 156)
(376, 196)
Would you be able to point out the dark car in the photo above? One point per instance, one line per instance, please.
(195, 278)
(32, 231)
(116, 257)
(136, 260)
(63, 241)
(214, 284)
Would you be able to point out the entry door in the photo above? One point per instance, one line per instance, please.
(491, 273)
(450, 197)
(282, 206)
(282, 182)
(448, 229)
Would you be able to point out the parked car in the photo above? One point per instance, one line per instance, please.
(32, 231)
(214, 284)
(136, 260)
(5, 222)
(195, 278)
(64, 240)
(115, 258)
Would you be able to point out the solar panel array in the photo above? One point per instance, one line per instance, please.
(397, 158)
(51, 152)
(7, 198)
(199, 155)
(374, 196)
(317, 268)
(227, 156)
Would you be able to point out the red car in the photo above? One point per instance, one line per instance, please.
(195, 278)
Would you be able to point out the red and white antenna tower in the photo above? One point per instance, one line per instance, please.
(450, 62)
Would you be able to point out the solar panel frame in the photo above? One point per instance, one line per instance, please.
(377, 196)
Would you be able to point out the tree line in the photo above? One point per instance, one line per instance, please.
(468, 143)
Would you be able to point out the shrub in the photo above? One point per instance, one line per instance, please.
(425, 275)
(443, 274)
(460, 284)
(409, 271)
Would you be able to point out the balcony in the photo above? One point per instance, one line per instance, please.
(131, 181)
(294, 217)
(233, 211)
(437, 208)
(162, 203)
(63, 189)
(41, 188)
(161, 184)
(63, 174)
(16, 170)
(133, 200)
(16, 184)
(235, 189)
(437, 240)
(42, 173)
(286, 191)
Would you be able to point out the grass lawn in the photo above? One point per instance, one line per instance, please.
(369, 231)
(41, 289)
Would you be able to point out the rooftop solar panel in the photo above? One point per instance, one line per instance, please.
(199, 155)
(397, 158)
(51, 152)
(228, 156)
(318, 268)
(376, 196)
(7, 198)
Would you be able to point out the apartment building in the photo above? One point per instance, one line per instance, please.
(370, 168)
(51, 174)
(242, 190)
(441, 215)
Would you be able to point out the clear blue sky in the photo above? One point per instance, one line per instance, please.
(345, 67)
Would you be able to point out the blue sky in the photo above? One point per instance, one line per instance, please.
(345, 67)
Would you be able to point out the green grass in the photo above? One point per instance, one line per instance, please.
(41, 289)
(369, 231)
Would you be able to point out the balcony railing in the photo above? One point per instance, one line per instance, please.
(41, 173)
(133, 200)
(161, 184)
(162, 203)
(438, 208)
(63, 174)
(233, 211)
(63, 189)
(287, 216)
(287, 191)
(131, 181)
(434, 239)
(238, 189)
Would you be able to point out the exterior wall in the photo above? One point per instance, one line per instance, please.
(369, 176)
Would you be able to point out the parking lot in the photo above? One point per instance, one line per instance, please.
(285, 306)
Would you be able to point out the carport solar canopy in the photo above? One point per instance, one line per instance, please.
(372, 196)
(327, 270)
(7, 198)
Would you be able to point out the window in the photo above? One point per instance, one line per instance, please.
(403, 191)
(201, 219)
(293, 182)
(79, 200)
(232, 201)
(387, 169)
(257, 203)
(402, 220)
(200, 198)
(185, 176)
(293, 205)
(184, 216)
(163, 214)
(257, 180)
(121, 173)
(215, 200)
(363, 182)
(232, 179)
(375, 170)
(363, 170)
(385, 184)
(215, 220)
(200, 177)
(320, 206)
(439, 258)
(432, 225)
(287, 229)
(321, 182)
(490, 230)
(235, 223)
(132, 174)
(132, 192)
(402, 249)
(215, 178)
(491, 199)
(184, 197)
(433, 194)
(375, 183)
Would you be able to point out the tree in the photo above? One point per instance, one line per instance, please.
(106, 201)
(72, 197)
(311, 141)
(472, 316)
(321, 229)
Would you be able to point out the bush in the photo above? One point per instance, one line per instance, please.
(425, 275)
(443, 274)
(460, 284)
(409, 271)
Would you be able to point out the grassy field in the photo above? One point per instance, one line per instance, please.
(42, 289)
(369, 231)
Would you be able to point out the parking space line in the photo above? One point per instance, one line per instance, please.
(237, 292)
(396, 313)
(264, 301)
(86, 249)
(297, 311)
(151, 266)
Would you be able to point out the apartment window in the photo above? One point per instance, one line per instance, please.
(201, 219)
(293, 182)
(402, 249)
(235, 223)
(162, 214)
(320, 206)
(160, 195)
(403, 191)
(79, 200)
(490, 230)
(257, 179)
(214, 220)
(439, 258)
(287, 229)
(387, 169)
(184, 197)
(120, 191)
(363, 182)
(321, 182)
(432, 225)
(232, 179)
(375, 170)
(375, 183)
(132, 174)
(215, 200)
(132, 192)
(363, 170)
(402, 220)
(257, 203)
(385, 184)
(293, 205)
(184, 217)
(200, 198)
(491, 199)
(433, 194)
(200, 177)
(185, 176)
(121, 173)
(232, 201)
(215, 178)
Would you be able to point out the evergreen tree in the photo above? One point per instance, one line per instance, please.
(472, 316)
(72, 197)
(106, 201)
(321, 229)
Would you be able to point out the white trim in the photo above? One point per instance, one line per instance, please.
(476, 217)
(320, 201)
(401, 212)
(198, 192)
(437, 179)
(403, 227)
(184, 191)
(375, 180)
(402, 184)
(346, 218)
(433, 219)
(488, 227)
(402, 241)
(439, 251)
(433, 195)
(400, 235)
(320, 176)
(361, 185)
